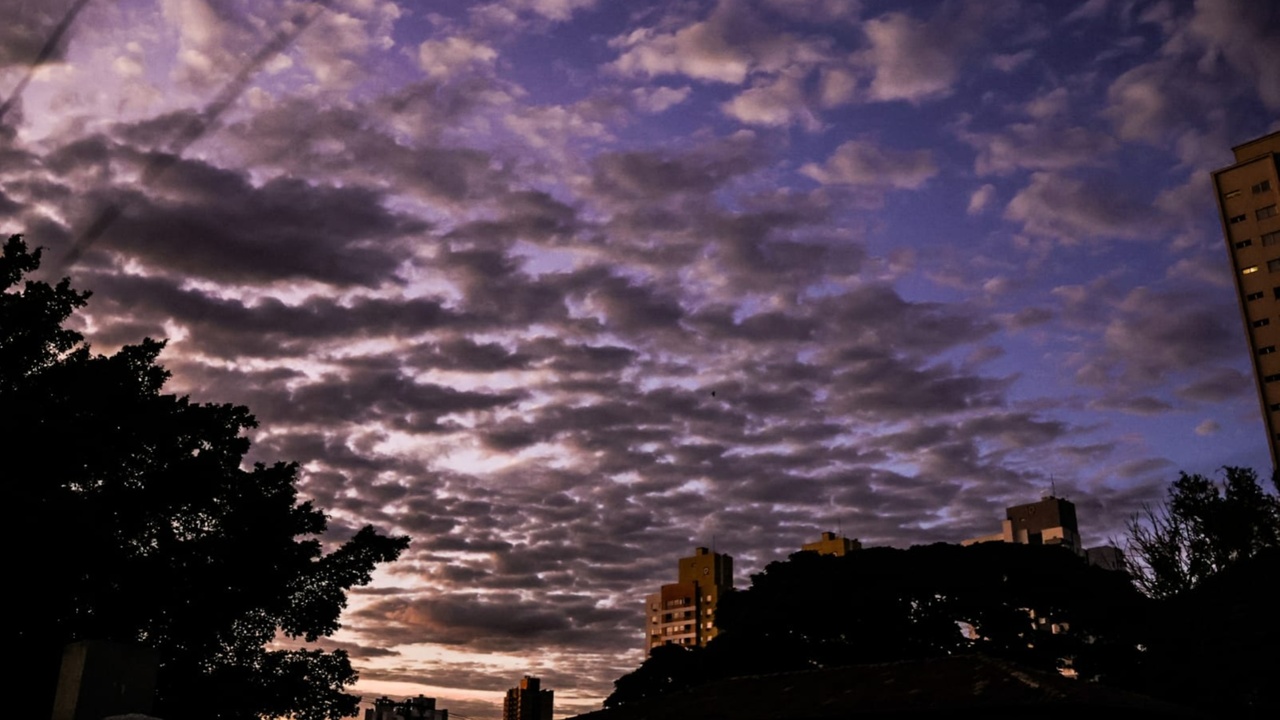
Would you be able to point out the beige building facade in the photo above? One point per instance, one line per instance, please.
(684, 612)
(1248, 193)
(528, 701)
(832, 544)
(1050, 521)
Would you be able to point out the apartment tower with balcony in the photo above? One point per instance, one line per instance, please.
(684, 612)
(528, 701)
(1247, 194)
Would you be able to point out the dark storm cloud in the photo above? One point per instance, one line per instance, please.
(1153, 334)
(634, 176)
(1136, 405)
(334, 142)
(211, 222)
(24, 28)
(284, 230)
(379, 394)
(1217, 386)
(493, 621)
(29, 27)
(269, 327)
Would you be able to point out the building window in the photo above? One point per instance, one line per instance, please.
(1266, 350)
(1273, 265)
(1275, 407)
(1263, 186)
(1236, 219)
(1271, 378)
(1271, 238)
(1231, 194)
(1243, 244)
(1276, 292)
(1266, 212)
(1253, 296)
(1262, 323)
(1249, 270)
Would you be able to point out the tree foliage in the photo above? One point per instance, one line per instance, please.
(1201, 529)
(883, 604)
(139, 523)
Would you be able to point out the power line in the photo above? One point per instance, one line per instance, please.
(199, 125)
(45, 53)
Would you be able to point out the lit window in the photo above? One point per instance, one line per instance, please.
(1263, 186)
(1232, 194)
(1266, 212)
(1253, 296)
(1236, 219)
(1273, 265)
(1249, 270)
(1266, 350)
(1262, 323)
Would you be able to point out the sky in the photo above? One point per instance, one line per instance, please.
(564, 288)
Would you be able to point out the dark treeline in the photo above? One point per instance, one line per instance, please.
(1209, 645)
(139, 524)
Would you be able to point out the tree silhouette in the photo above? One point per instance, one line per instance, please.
(1200, 530)
(137, 523)
(884, 604)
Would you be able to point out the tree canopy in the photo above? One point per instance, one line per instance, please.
(141, 524)
(1201, 529)
(884, 604)
(1190, 626)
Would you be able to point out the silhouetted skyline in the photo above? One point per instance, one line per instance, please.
(563, 288)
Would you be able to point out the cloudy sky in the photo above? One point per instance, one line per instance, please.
(562, 288)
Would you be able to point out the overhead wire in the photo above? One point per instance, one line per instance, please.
(199, 125)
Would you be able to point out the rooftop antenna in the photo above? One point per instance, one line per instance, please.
(1053, 487)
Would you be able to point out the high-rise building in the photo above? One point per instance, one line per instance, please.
(1247, 200)
(684, 612)
(1051, 521)
(832, 544)
(528, 701)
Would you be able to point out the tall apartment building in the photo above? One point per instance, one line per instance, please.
(528, 701)
(684, 612)
(1051, 521)
(1247, 200)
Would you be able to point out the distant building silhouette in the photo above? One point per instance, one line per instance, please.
(528, 701)
(1051, 521)
(1248, 193)
(415, 708)
(832, 544)
(1107, 557)
(684, 612)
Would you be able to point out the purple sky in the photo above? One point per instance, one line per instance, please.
(562, 288)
